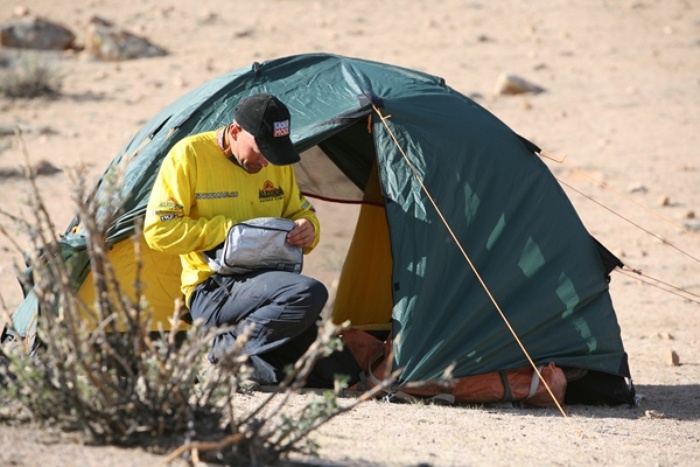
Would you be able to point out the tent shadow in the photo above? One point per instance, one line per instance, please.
(680, 402)
(677, 402)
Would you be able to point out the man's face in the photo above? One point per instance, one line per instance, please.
(247, 153)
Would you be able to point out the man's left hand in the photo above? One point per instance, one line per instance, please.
(303, 235)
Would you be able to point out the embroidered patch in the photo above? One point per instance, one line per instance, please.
(167, 217)
(270, 192)
(280, 128)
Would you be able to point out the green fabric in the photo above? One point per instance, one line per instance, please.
(507, 210)
(75, 257)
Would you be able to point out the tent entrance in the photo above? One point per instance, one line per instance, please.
(343, 168)
(339, 168)
(364, 288)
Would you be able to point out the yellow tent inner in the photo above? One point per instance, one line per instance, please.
(364, 289)
(159, 278)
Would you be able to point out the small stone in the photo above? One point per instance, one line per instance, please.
(20, 10)
(509, 84)
(210, 65)
(44, 167)
(636, 188)
(654, 414)
(180, 82)
(690, 215)
(692, 224)
(108, 42)
(208, 17)
(664, 201)
(672, 358)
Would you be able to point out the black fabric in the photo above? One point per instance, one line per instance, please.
(610, 261)
(530, 145)
(597, 388)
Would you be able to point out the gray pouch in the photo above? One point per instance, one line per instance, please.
(259, 243)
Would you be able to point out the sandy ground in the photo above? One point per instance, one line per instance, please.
(622, 103)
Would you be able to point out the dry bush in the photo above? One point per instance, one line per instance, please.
(29, 75)
(118, 383)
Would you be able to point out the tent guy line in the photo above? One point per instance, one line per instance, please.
(637, 272)
(607, 187)
(652, 281)
(618, 193)
(647, 231)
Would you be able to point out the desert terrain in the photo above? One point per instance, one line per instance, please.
(621, 105)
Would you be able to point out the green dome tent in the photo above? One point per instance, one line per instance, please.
(440, 180)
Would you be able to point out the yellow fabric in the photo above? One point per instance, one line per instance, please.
(159, 276)
(364, 289)
(199, 194)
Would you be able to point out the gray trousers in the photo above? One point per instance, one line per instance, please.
(283, 307)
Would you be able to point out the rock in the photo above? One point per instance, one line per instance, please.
(108, 42)
(209, 17)
(509, 84)
(41, 168)
(672, 358)
(44, 167)
(180, 82)
(20, 10)
(636, 188)
(664, 200)
(35, 33)
(693, 224)
(654, 414)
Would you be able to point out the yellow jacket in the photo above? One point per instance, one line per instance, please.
(199, 194)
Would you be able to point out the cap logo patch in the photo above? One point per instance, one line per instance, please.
(280, 128)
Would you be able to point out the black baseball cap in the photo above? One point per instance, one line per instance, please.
(268, 120)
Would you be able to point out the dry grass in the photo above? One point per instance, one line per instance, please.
(29, 74)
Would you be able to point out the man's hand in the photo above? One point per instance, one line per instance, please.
(303, 234)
